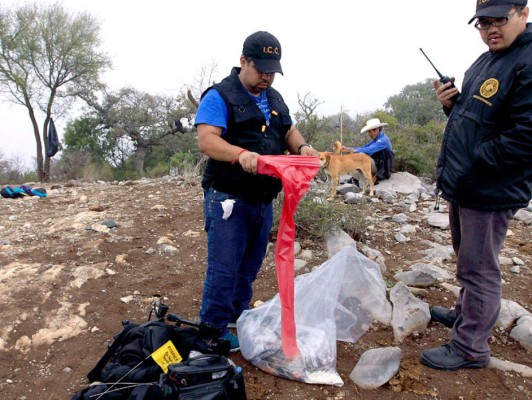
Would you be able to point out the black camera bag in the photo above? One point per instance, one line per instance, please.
(207, 377)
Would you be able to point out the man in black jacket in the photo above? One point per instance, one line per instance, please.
(485, 172)
(238, 120)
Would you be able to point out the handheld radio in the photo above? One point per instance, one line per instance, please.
(443, 79)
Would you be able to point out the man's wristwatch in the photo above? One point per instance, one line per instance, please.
(301, 146)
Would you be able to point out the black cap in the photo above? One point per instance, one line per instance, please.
(495, 8)
(265, 51)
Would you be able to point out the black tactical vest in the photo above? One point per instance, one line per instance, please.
(247, 129)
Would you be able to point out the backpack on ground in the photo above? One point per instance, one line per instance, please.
(15, 193)
(127, 371)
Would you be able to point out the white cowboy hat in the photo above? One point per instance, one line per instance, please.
(372, 124)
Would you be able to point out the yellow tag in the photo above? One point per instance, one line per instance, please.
(274, 112)
(165, 355)
(263, 128)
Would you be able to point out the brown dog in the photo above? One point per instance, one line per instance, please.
(336, 165)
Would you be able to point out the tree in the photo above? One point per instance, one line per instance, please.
(415, 104)
(45, 52)
(86, 134)
(13, 170)
(137, 121)
(308, 121)
(417, 147)
(203, 80)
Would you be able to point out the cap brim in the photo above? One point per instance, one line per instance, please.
(493, 12)
(268, 66)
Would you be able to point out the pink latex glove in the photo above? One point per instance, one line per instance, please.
(296, 172)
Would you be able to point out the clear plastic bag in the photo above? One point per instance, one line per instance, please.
(337, 301)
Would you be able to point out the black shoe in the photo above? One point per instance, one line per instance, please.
(443, 315)
(445, 358)
(234, 344)
(210, 340)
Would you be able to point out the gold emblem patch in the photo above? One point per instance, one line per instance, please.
(489, 88)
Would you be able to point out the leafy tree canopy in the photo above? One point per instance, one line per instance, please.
(415, 104)
(45, 52)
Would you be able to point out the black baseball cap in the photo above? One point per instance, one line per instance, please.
(265, 51)
(495, 8)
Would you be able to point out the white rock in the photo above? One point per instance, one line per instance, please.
(376, 367)
(518, 261)
(510, 312)
(439, 220)
(297, 248)
(127, 299)
(407, 229)
(400, 238)
(409, 313)
(167, 249)
(523, 332)
(306, 255)
(504, 365)
(299, 264)
(505, 261)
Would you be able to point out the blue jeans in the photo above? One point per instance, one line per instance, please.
(236, 248)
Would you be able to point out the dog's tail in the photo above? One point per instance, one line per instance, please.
(337, 148)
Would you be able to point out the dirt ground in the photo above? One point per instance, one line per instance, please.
(65, 288)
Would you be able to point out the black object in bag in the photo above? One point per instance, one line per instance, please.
(207, 377)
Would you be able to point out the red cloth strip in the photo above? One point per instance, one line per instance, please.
(295, 172)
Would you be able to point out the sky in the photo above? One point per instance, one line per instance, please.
(351, 55)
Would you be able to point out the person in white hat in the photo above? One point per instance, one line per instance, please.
(379, 148)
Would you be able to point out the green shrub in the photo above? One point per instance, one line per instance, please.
(417, 147)
(30, 176)
(125, 174)
(157, 171)
(14, 172)
(315, 217)
(182, 162)
(96, 171)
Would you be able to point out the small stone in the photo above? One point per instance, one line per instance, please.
(109, 223)
(518, 261)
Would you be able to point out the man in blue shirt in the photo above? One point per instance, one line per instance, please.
(380, 149)
(238, 120)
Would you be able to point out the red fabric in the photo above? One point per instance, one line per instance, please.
(296, 172)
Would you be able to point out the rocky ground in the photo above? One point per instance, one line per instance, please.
(67, 281)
